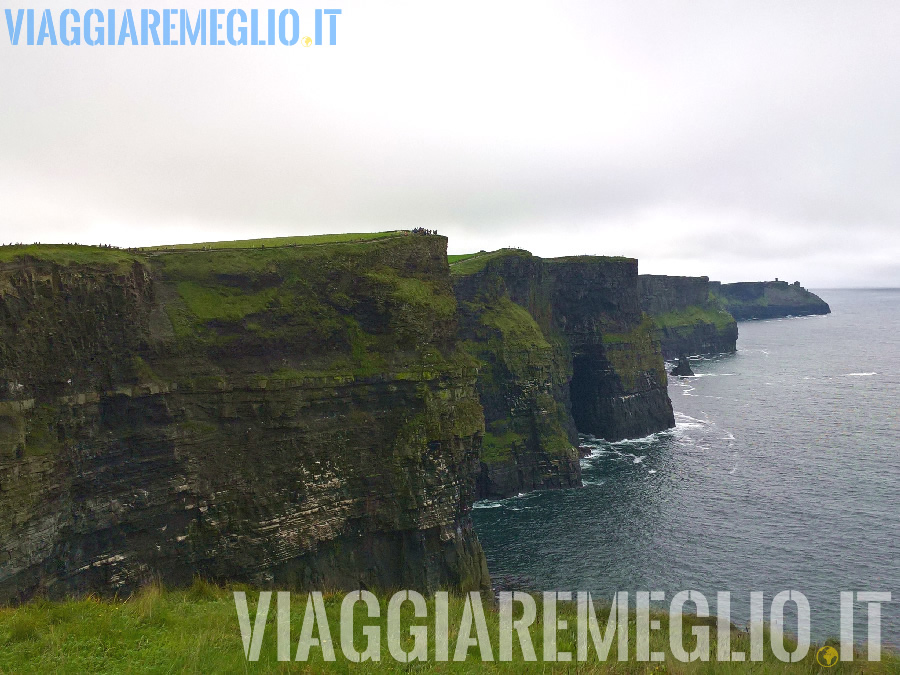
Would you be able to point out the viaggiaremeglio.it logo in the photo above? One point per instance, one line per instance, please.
(435, 636)
(171, 27)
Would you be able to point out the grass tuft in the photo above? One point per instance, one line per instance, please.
(24, 628)
(203, 591)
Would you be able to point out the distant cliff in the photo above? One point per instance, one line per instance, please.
(768, 299)
(564, 348)
(298, 416)
(686, 319)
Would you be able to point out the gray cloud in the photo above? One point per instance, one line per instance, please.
(739, 140)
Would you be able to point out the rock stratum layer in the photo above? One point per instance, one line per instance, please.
(564, 348)
(298, 416)
(687, 319)
(768, 300)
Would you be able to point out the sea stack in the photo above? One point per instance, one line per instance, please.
(683, 369)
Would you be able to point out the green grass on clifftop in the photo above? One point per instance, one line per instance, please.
(274, 242)
(591, 259)
(65, 254)
(197, 631)
(457, 257)
(470, 263)
(694, 314)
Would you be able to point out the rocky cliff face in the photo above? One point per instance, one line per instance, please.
(564, 347)
(686, 319)
(768, 299)
(304, 416)
(661, 294)
(505, 308)
(296, 416)
(618, 387)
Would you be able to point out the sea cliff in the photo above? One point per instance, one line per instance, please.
(523, 380)
(687, 319)
(768, 299)
(303, 413)
(564, 349)
(298, 416)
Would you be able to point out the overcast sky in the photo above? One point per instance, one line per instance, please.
(741, 140)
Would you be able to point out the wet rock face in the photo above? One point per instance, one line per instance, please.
(193, 422)
(687, 318)
(594, 294)
(768, 300)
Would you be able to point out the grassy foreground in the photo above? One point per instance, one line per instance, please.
(197, 631)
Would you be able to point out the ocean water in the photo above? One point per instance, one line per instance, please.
(783, 473)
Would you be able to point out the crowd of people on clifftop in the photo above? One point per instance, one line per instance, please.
(422, 230)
